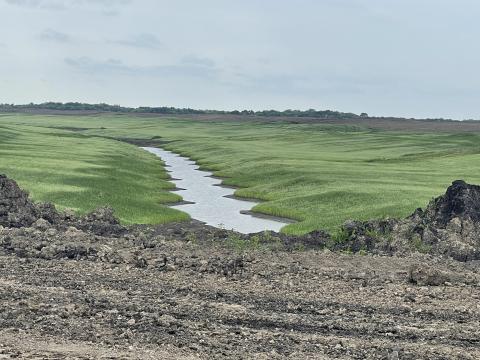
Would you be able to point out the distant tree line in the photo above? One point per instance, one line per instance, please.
(76, 106)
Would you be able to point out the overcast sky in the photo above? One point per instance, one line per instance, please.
(413, 58)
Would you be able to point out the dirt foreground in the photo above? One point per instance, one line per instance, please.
(284, 305)
(88, 288)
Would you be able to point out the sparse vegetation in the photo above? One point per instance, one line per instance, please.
(419, 245)
(240, 244)
(256, 242)
(373, 234)
(339, 237)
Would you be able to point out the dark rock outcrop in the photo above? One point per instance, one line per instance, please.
(461, 201)
(16, 210)
(450, 224)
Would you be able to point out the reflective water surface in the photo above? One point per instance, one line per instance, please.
(209, 203)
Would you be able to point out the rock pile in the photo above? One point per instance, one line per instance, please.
(16, 210)
(449, 225)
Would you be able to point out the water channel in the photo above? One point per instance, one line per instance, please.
(207, 201)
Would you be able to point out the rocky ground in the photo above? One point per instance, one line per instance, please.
(86, 287)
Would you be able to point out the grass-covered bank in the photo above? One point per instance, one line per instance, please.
(319, 174)
(84, 172)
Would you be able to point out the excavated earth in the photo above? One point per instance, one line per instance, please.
(86, 287)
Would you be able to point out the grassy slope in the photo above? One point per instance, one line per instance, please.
(83, 173)
(317, 174)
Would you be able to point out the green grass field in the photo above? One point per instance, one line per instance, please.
(317, 174)
(82, 173)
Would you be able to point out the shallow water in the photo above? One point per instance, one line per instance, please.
(209, 202)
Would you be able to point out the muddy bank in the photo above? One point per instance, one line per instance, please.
(87, 287)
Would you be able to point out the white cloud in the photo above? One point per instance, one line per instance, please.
(65, 4)
(145, 40)
(55, 36)
(116, 66)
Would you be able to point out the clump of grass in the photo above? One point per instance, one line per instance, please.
(270, 241)
(299, 247)
(338, 237)
(363, 251)
(419, 245)
(265, 241)
(374, 234)
(242, 244)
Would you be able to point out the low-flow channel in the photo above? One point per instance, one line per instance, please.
(206, 200)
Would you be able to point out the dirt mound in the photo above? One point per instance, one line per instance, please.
(449, 225)
(461, 201)
(16, 210)
(423, 275)
(100, 222)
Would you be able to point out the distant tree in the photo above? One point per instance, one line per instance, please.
(76, 106)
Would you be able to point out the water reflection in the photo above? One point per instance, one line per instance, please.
(208, 201)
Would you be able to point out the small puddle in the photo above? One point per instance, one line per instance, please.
(205, 200)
